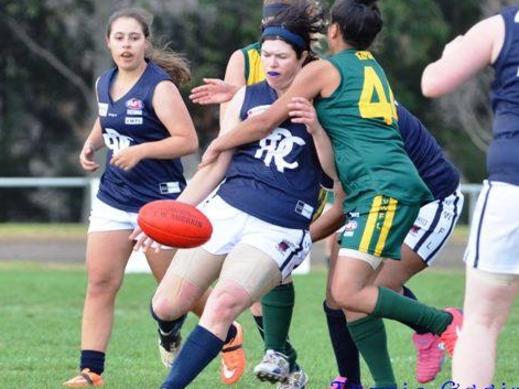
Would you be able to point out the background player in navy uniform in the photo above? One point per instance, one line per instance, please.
(431, 230)
(260, 214)
(146, 127)
(492, 255)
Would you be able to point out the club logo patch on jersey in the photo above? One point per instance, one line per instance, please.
(304, 209)
(134, 107)
(276, 147)
(102, 109)
(257, 110)
(132, 121)
(169, 187)
(134, 103)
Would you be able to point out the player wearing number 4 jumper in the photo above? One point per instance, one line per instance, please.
(428, 235)
(383, 187)
(145, 138)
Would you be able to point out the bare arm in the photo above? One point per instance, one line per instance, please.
(313, 80)
(172, 112)
(463, 57)
(303, 111)
(234, 75)
(332, 219)
(209, 177)
(93, 143)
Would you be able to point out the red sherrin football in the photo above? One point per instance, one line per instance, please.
(174, 224)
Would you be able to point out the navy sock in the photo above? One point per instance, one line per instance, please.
(259, 325)
(231, 334)
(168, 327)
(200, 348)
(93, 360)
(344, 348)
(409, 294)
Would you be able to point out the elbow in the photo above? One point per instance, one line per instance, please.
(193, 144)
(432, 84)
(430, 90)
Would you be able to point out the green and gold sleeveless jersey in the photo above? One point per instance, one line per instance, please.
(360, 119)
(254, 72)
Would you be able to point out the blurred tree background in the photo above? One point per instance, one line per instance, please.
(53, 50)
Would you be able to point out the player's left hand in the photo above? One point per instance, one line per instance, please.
(214, 91)
(211, 154)
(303, 111)
(127, 158)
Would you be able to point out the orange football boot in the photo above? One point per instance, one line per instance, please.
(233, 358)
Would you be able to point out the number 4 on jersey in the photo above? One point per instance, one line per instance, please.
(373, 101)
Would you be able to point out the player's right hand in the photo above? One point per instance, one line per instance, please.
(142, 241)
(86, 158)
(214, 91)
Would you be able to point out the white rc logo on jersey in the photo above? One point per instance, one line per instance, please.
(277, 146)
(115, 141)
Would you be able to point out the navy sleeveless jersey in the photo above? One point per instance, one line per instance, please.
(129, 121)
(276, 179)
(503, 158)
(438, 173)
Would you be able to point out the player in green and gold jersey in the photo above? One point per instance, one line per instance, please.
(355, 106)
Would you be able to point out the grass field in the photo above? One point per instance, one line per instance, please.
(40, 312)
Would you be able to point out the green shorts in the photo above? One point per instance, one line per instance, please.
(380, 229)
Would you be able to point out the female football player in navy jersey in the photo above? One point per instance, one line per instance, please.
(260, 213)
(273, 315)
(491, 257)
(145, 125)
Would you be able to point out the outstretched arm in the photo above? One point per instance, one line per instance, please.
(207, 179)
(464, 56)
(216, 91)
(310, 82)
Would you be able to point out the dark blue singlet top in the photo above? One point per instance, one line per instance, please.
(503, 155)
(129, 121)
(276, 179)
(438, 173)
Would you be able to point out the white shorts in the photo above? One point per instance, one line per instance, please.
(434, 225)
(104, 217)
(494, 234)
(288, 247)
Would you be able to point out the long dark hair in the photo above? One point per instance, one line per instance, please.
(303, 18)
(360, 21)
(173, 63)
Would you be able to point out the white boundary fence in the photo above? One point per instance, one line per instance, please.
(137, 262)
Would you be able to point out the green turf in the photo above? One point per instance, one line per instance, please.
(40, 312)
(42, 231)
